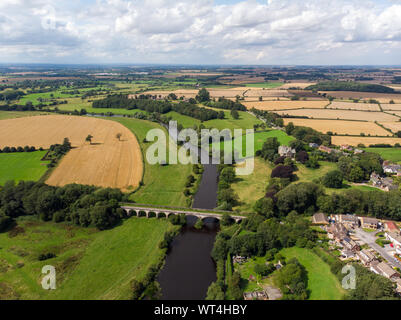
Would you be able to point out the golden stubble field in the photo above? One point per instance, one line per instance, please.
(340, 114)
(354, 106)
(283, 105)
(381, 97)
(340, 126)
(107, 162)
(354, 141)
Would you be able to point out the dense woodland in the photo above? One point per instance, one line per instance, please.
(350, 86)
(81, 205)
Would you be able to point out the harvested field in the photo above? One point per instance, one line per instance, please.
(283, 105)
(106, 162)
(300, 85)
(354, 141)
(381, 97)
(187, 93)
(341, 126)
(257, 92)
(387, 106)
(393, 126)
(354, 106)
(340, 114)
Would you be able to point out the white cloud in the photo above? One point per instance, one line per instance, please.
(200, 31)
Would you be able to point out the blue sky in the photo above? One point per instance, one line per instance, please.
(201, 31)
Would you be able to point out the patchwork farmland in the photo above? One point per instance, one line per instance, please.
(353, 106)
(106, 162)
(285, 105)
(341, 126)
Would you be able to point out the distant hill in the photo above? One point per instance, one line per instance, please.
(350, 86)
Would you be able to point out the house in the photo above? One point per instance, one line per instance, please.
(285, 151)
(387, 184)
(392, 168)
(383, 183)
(350, 244)
(320, 219)
(387, 271)
(347, 254)
(366, 256)
(348, 220)
(326, 149)
(346, 147)
(375, 179)
(358, 151)
(369, 223)
(391, 226)
(338, 231)
(395, 239)
(313, 145)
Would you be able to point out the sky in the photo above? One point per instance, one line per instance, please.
(255, 32)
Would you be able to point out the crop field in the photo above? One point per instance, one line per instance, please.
(269, 85)
(389, 106)
(89, 264)
(300, 85)
(22, 166)
(354, 141)
(393, 126)
(353, 106)
(257, 92)
(340, 126)
(381, 97)
(340, 114)
(284, 105)
(106, 162)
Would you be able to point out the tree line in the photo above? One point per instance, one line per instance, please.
(78, 204)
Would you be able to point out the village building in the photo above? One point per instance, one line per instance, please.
(385, 270)
(337, 231)
(385, 184)
(313, 145)
(285, 151)
(347, 254)
(348, 220)
(392, 168)
(346, 147)
(391, 226)
(326, 149)
(366, 257)
(320, 219)
(358, 151)
(350, 244)
(395, 239)
(369, 223)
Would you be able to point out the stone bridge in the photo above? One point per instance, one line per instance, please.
(167, 212)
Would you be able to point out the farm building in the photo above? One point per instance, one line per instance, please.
(285, 151)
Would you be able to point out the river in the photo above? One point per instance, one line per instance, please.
(189, 268)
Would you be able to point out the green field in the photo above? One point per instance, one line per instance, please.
(260, 138)
(19, 114)
(163, 185)
(305, 174)
(269, 85)
(25, 166)
(392, 154)
(90, 264)
(323, 285)
(252, 187)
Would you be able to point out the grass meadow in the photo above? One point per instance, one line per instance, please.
(22, 166)
(89, 264)
(162, 185)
